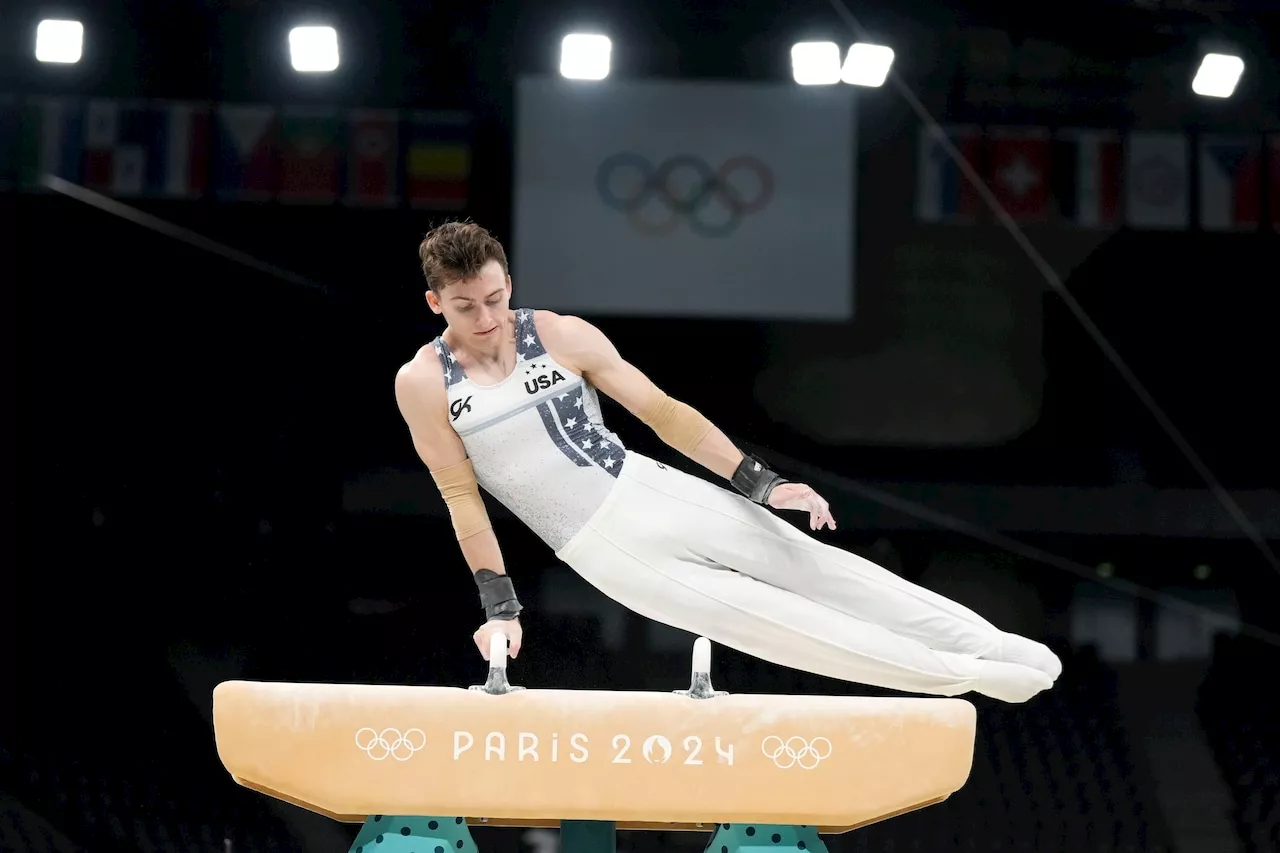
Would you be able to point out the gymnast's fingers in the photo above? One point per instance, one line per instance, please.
(817, 510)
(817, 507)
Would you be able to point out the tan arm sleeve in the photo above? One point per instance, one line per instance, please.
(678, 424)
(461, 493)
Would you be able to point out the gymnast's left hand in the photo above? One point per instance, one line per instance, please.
(801, 497)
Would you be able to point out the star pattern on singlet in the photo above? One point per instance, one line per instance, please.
(453, 373)
(568, 410)
(566, 415)
(591, 439)
(528, 345)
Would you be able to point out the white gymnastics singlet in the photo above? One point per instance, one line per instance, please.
(536, 439)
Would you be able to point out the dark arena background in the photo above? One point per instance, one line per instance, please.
(1012, 310)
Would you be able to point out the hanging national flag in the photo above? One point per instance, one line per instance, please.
(373, 156)
(10, 131)
(244, 153)
(310, 155)
(438, 159)
(1017, 170)
(135, 148)
(1230, 182)
(185, 170)
(102, 157)
(1157, 180)
(943, 193)
(50, 141)
(1086, 183)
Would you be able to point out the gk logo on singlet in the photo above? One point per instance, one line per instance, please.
(543, 382)
(457, 407)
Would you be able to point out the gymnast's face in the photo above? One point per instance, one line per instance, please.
(476, 308)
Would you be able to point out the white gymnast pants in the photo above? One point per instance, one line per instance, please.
(687, 553)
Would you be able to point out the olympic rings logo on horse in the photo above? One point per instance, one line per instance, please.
(795, 751)
(390, 743)
(708, 199)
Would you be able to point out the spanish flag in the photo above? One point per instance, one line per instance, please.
(437, 159)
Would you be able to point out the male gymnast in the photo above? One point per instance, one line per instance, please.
(506, 400)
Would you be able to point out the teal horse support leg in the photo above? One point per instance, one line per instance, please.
(400, 834)
(760, 837)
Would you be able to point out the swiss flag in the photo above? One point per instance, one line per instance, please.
(1017, 170)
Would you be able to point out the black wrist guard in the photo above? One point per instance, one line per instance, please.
(754, 479)
(497, 596)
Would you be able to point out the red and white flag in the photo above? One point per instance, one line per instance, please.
(1018, 170)
(373, 158)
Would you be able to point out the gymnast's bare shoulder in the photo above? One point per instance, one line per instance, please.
(421, 375)
(424, 405)
(571, 340)
(587, 351)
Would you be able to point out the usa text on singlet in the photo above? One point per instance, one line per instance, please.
(536, 439)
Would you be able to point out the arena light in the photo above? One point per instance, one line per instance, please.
(59, 41)
(867, 65)
(1218, 75)
(313, 49)
(815, 63)
(584, 56)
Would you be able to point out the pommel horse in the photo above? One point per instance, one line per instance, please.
(419, 765)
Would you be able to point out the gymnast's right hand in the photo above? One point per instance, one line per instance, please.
(510, 627)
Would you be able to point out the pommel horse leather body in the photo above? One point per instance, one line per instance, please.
(419, 764)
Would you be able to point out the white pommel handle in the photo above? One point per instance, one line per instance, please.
(700, 684)
(701, 656)
(498, 651)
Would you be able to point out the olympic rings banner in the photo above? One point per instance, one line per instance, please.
(730, 200)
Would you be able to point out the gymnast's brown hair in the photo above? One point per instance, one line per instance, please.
(456, 251)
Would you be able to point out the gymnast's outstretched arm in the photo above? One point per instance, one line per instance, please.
(423, 402)
(587, 350)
